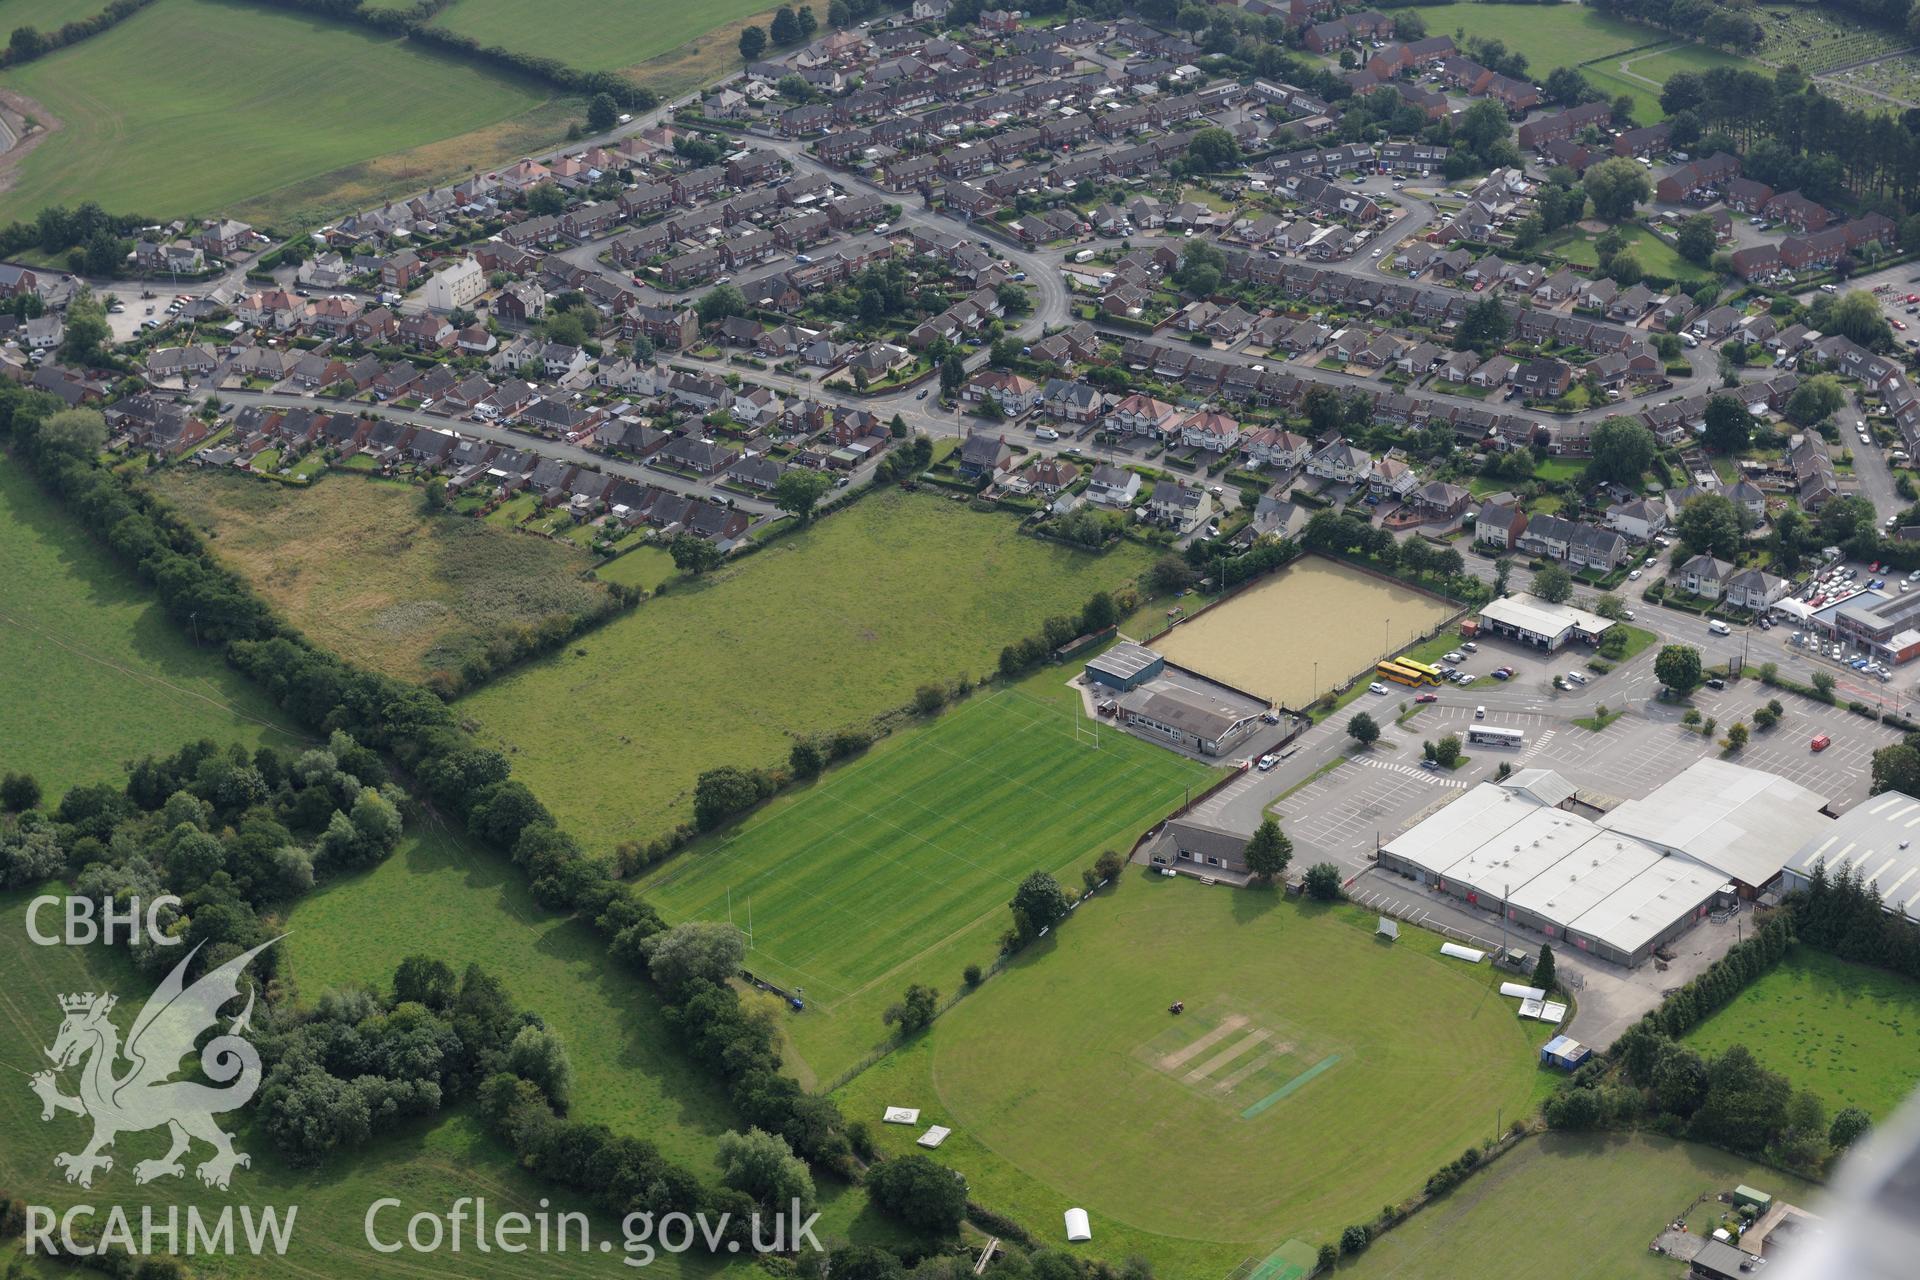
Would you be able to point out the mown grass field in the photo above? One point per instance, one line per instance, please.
(1575, 1206)
(445, 896)
(596, 35)
(820, 630)
(192, 106)
(1317, 1073)
(898, 868)
(1570, 35)
(428, 1164)
(362, 568)
(1656, 256)
(1848, 1032)
(1548, 36)
(96, 673)
(47, 16)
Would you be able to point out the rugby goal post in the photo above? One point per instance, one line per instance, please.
(1086, 728)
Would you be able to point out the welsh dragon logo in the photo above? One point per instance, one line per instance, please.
(144, 1095)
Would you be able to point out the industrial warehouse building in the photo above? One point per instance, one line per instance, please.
(1125, 666)
(1622, 885)
(1874, 841)
(1541, 623)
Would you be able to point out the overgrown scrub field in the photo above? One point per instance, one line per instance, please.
(1317, 1073)
(429, 1164)
(1577, 1206)
(818, 631)
(451, 898)
(595, 35)
(898, 867)
(1849, 1032)
(96, 673)
(360, 566)
(193, 106)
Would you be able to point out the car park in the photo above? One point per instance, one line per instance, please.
(1470, 647)
(1577, 677)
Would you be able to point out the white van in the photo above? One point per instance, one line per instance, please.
(1718, 627)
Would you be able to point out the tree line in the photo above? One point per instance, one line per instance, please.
(27, 43)
(455, 775)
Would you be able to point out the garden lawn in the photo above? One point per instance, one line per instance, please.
(1316, 1073)
(595, 35)
(446, 896)
(96, 673)
(359, 565)
(898, 867)
(1849, 1032)
(816, 631)
(189, 106)
(1574, 1206)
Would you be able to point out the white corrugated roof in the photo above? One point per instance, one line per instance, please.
(1532, 614)
(1879, 840)
(1742, 822)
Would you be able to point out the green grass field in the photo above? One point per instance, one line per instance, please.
(357, 564)
(1839, 1029)
(427, 1165)
(898, 868)
(1656, 256)
(1317, 1073)
(819, 630)
(448, 897)
(597, 35)
(1548, 36)
(1574, 1206)
(97, 674)
(47, 16)
(1572, 35)
(195, 105)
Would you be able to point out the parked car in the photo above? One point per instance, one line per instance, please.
(1045, 433)
(1267, 761)
(1479, 713)
(1428, 697)
(1470, 647)
(1376, 687)
(1456, 655)
(1820, 742)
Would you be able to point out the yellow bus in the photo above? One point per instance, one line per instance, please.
(1427, 669)
(1393, 671)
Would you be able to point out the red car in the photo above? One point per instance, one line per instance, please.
(1428, 697)
(1821, 742)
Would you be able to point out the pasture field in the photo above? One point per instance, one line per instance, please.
(819, 630)
(1849, 1032)
(448, 897)
(187, 107)
(898, 867)
(1317, 1073)
(96, 673)
(363, 569)
(428, 1164)
(1572, 1205)
(595, 35)
(47, 16)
